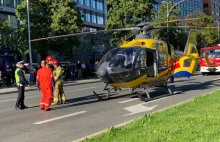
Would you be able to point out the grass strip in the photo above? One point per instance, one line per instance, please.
(197, 120)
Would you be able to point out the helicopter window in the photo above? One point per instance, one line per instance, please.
(194, 50)
(108, 56)
(141, 60)
(123, 57)
(162, 62)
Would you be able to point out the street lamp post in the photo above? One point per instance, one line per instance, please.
(29, 34)
(168, 12)
(218, 29)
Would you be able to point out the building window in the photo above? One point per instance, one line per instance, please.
(88, 19)
(81, 2)
(93, 4)
(213, 12)
(213, 5)
(99, 4)
(94, 17)
(87, 2)
(83, 15)
(100, 19)
(205, 5)
(8, 3)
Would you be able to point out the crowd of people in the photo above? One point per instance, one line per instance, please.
(49, 81)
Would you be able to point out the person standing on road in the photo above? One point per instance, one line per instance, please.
(58, 78)
(20, 83)
(45, 84)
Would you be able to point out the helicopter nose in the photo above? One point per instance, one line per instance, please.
(102, 72)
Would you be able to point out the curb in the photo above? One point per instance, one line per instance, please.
(35, 88)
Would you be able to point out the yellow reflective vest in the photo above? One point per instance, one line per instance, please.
(57, 74)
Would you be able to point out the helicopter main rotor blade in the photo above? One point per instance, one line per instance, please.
(186, 27)
(178, 20)
(86, 33)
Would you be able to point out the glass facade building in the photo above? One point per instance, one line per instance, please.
(94, 13)
(7, 11)
(187, 6)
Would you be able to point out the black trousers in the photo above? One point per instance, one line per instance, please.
(20, 99)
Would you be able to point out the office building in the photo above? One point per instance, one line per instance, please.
(187, 6)
(7, 12)
(212, 8)
(94, 14)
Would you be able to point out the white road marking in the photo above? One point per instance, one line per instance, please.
(216, 79)
(61, 117)
(138, 109)
(126, 101)
(7, 100)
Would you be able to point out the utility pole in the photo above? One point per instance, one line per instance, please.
(29, 34)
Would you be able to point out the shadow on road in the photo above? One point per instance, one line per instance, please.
(156, 93)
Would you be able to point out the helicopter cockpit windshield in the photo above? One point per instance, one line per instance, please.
(123, 58)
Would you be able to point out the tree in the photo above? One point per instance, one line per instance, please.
(176, 37)
(206, 37)
(48, 18)
(127, 13)
(8, 37)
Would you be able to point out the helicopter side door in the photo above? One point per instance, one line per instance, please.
(151, 63)
(162, 63)
(146, 63)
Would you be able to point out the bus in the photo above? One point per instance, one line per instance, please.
(214, 59)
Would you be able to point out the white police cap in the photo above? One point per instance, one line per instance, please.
(20, 62)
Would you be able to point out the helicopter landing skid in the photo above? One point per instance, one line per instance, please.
(108, 93)
(146, 95)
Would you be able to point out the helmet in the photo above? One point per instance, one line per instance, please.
(54, 62)
(48, 58)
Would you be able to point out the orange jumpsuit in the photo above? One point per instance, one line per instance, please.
(45, 83)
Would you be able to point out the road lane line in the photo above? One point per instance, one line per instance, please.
(8, 100)
(126, 101)
(61, 117)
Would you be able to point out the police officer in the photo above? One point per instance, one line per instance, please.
(58, 78)
(20, 82)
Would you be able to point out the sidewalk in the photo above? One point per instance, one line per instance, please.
(13, 89)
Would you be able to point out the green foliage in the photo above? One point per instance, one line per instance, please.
(207, 37)
(177, 37)
(4, 25)
(125, 14)
(8, 37)
(49, 18)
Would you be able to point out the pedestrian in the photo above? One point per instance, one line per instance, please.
(58, 78)
(79, 71)
(20, 82)
(83, 67)
(45, 84)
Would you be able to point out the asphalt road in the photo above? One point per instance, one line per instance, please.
(84, 115)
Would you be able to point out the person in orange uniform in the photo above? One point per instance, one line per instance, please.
(45, 84)
(58, 78)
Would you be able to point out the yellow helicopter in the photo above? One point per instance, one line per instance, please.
(144, 61)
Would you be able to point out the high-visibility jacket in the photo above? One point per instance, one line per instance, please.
(57, 74)
(44, 78)
(17, 77)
